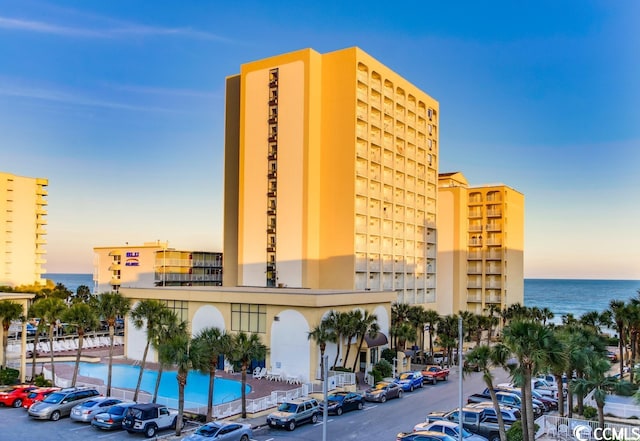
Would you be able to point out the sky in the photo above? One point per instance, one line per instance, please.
(120, 104)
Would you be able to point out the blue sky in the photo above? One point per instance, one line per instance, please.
(121, 105)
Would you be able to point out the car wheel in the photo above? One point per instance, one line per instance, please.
(55, 416)
(314, 418)
(446, 377)
(383, 399)
(360, 406)
(339, 411)
(494, 437)
(130, 431)
(174, 422)
(434, 381)
(150, 430)
(292, 425)
(244, 438)
(17, 403)
(411, 388)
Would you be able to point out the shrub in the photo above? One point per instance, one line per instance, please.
(342, 369)
(515, 431)
(381, 370)
(589, 412)
(388, 355)
(9, 376)
(40, 381)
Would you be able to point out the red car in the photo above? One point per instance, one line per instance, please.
(433, 374)
(14, 395)
(36, 395)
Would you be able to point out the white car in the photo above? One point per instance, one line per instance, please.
(448, 428)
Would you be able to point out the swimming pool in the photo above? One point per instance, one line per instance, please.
(196, 390)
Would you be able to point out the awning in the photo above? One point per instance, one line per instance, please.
(379, 340)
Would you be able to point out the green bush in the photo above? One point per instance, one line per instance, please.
(381, 370)
(515, 431)
(388, 355)
(342, 369)
(589, 412)
(9, 376)
(40, 381)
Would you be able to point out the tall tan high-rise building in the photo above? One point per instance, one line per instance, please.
(331, 165)
(22, 230)
(480, 245)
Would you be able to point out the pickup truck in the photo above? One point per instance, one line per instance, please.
(433, 374)
(149, 418)
(476, 421)
(504, 399)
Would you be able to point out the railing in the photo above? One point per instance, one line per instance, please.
(573, 428)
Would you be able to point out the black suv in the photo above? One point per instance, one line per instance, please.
(295, 412)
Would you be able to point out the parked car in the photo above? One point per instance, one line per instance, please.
(440, 358)
(476, 420)
(432, 374)
(612, 356)
(112, 418)
(85, 411)
(222, 431)
(149, 418)
(60, 403)
(509, 414)
(291, 414)
(36, 395)
(449, 428)
(383, 391)
(409, 381)
(14, 395)
(424, 435)
(340, 402)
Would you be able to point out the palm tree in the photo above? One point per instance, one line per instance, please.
(9, 311)
(244, 348)
(166, 327)
(601, 384)
(448, 334)
(322, 334)
(351, 323)
(535, 347)
(486, 358)
(80, 316)
(34, 314)
(619, 318)
(210, 343)
(50, 311)
(145, 314)
(367, 326)
(178, 351)
(338, 322)
(431, 318)
(112, 305)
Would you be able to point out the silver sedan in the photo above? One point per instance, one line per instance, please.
(222, 431)
(85, 411)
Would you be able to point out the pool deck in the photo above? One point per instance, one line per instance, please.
(259, 387)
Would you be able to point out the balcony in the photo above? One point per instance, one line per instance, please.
(271, 194)
(115, 281)
(115, 266)
(474, 255)
(271, 248)
(272, 175)
(273, 119)
(474, 270)
(475, 242)
(494, 227)
(273, 101)
(494, 269)
(494, 255)
(494, 242)
(475, 214)
(273, 138)
(273, 83)
(271, 211)
(494, 213)
(474, 299)
(475, 228)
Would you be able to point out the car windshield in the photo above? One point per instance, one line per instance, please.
(335, 397)
(135, 413)
(381, 386)
(89, 403)
(117, 410)
(54, 398)
(406, 376)
(288, 407)
(208, 430)
(32, 394)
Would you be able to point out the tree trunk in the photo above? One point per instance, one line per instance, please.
(620, 349)
(34, 355)
(338, 344)
(322, 349)
(111, 336)
(78, 354)
(346, 356)
(142, 366)
(244, 385)
(600, 406)
(496, 407)
(355, 363)
(53, 366)
(569, 399)
(5, 343)
(212, 380)
(527, 405)
(560, 394)
(182, 382)
(158, 378)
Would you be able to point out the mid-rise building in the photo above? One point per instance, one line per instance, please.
(154, 264)
(331, 164)
(22, 230)
(480, 245)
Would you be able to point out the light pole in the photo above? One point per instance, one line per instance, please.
(460, 365)
(325, 392)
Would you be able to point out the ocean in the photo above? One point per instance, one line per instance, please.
(561, 296)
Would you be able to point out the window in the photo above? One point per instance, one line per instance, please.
(180, 308)
(248, 317)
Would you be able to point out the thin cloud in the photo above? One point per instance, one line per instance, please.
(67, 98)
(126, 30)
(163, 91)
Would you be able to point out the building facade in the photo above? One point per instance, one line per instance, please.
(480, 245)
(22, 230)
(331, 164)
(188, 268)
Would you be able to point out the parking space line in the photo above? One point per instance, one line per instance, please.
(370, 407)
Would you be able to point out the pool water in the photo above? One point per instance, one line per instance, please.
(196, 390)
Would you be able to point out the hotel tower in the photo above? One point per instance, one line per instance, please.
(480, 245)
(22, 230)
(331, 165)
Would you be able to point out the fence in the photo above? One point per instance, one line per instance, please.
(222, 410)
(577, 429)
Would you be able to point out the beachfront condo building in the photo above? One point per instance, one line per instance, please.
(331, 165)
(480, 245)
(22, 230)
(154, 264)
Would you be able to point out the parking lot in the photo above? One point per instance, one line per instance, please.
(16, 424)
